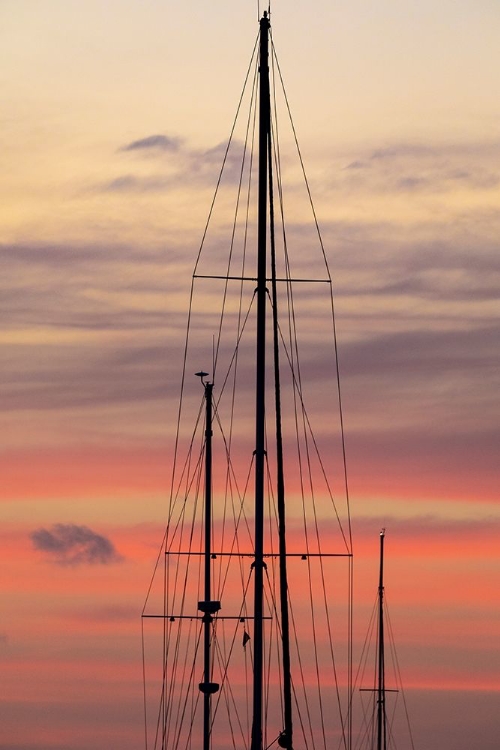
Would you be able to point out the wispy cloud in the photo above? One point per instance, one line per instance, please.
(114, 613)
(153, 143)
(191, 167)
(424, 168)
(129, 183)
(69, 544)
(358, 164)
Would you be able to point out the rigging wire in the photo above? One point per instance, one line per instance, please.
(190, 306)
(236, 211)
(339, 393)
(186, 483)
(297, 377)
(321, 244)
(399, 678)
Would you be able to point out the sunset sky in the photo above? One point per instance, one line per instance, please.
(112, 117)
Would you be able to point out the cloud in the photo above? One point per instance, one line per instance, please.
(124, 182)
(357, 164)
(399, 168)
(423, 352)
(153, 142)
(430, 169)
(411, 183)
(129, 183)
(403, 149)
(194, 168)
(112, 613)
(69, 544)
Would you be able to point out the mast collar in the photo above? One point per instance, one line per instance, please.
(264, 21)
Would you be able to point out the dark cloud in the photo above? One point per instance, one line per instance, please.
(450, 261)
(232, 154)
(86, 286)
(403, 149)
(400, 167)
(22, 256)
(192, 167)
(124, 183)
(417, 353)
(69, 544)
(99, 289)
(56, 376)
(153, 142)
(357, 165)
(411, 183)
(423, 168)
(129, 183)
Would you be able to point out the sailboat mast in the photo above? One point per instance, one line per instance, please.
(207, 606)
(381, 714)
(264, 130)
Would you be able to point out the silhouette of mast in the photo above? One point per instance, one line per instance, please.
(207, 606)
(381, 712)
(258, 564)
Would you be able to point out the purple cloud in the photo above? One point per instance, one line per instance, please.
(69, 544)
(156, 142)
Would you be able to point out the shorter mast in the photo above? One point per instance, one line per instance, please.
(381, 712)
(207, 606)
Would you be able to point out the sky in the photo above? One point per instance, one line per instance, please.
(111, 123)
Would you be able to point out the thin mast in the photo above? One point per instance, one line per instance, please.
(381, 714)
(264, 129)
(208, 607)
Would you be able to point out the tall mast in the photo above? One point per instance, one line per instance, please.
(264, 130)
(381, 714)
(207, 606)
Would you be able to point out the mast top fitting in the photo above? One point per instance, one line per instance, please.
(202, 375)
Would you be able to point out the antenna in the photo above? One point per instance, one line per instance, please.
(202, 375)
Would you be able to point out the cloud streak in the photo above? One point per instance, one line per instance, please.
(424, 168)
(153, 143)
(193, 168)
(69, 544)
